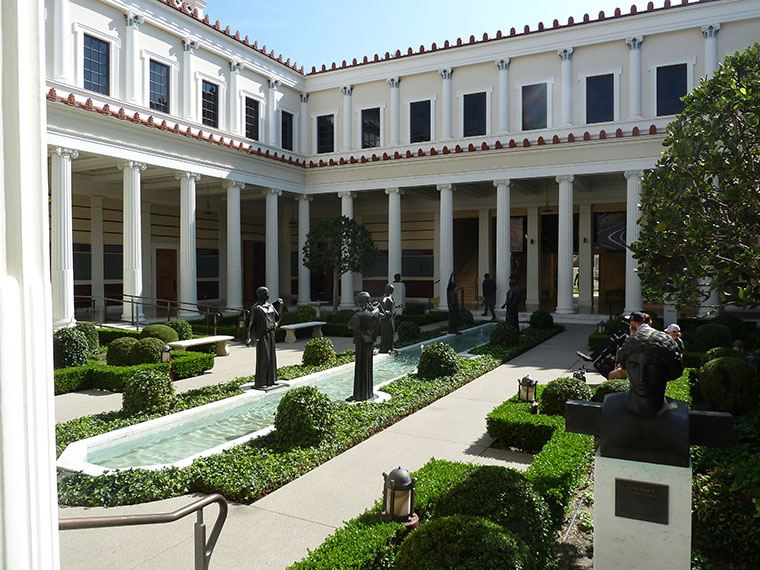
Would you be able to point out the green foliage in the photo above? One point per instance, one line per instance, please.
(729, 385)
(529, 338)
(512, 425)
(434, 480)
(418, 315)
(700, 203)
(558, 391)
(183, 329)
(615, 326)
(408, 331)
(464, 317)
(541, 320)
(719, 352)
(712, 335)
(146, 351)
(504, 334)
(90, 332)
(70, 348)
(610, 387)
(437, 361)
(736, 325)
(148, 391)
(163, 332)
(304, 417)
(119, 349)
(318, 352)
(108, 335)
(596, 340)
(462, 542)
(186, 364)
(71, 379)
(306, 313)
(692, 359)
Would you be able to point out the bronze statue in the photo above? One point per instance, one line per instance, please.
(365, 323)
(264, 318)
(387, 306)
(511, 303)
(453, 303)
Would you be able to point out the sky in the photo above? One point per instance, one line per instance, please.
(313, 32)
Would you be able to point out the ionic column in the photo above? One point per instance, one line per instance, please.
(188, 270)
(283, 250)
(532, 281)
(62, 39)
(271, 121)
(233, 108)
(394, 82)
(304, 275)
(96, 251)
(234, 254)
(634, 76)
(132, 249)
(711, 48)
(585, 260)
(347, 91)
(633, 299)
(347, 279)
(566, 55)
(132, 58)
(484, 246)
(503, 65)
(503, 254)
(188, 80)
(565, 246)
(147, 251)
(303, 118)
(446, 240)
(394, 231)
(446, 106)
(62, 237)
(272, 248)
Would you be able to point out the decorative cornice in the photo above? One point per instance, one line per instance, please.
(502, 64)
(446, 73)
(634, 42)
(711, 30)
(132, 165)
(65, 152)
(187, 176)
(134, 20)
(565, 54)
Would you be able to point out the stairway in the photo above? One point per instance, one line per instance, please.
(467, 279)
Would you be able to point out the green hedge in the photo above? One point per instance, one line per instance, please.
(106, 335)
(529, 337)
(512, 425)
(424, 319)
(596, 340)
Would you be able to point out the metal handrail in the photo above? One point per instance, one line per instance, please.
(203, 549)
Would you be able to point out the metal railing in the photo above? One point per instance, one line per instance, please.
(203, 548)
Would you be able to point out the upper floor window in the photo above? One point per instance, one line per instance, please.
(371, 127)
(671, 86)
(210, 104)
(159, 86)
(287, 130)
(96, 58)
(534, 106)
(325, 133)
(474, 115)
(251, 118)
(600, 98)
(419, 121)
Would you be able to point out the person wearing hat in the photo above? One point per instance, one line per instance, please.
(637, 322)
(675, 333)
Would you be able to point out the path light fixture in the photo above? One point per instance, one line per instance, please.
(527, 389)
(601, 327)
(166, 353)
(398, 498)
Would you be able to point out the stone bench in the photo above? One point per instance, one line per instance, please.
(221, 343)
(290, 330)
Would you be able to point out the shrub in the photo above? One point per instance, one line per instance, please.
(462, 542)
(512, 425)
(734, 323)
(558, 391)
(71, 379)
(146, 351)
(719, 352)
(70, 348)
(729, 385)
(183, 329)
(342, 316)
(186, 364)
(306, 313)
(712, 335)
(118, 351)
(304, 416)
(464, 317)
(541, 320)
(163, 332)
(596, 340)
(108, 335)
(610, 387)
(148, 391)
(504, 334)
(318, 352)
(91, 334)
(408, 331)
(615, 326)
(416, 309)
(437, 360)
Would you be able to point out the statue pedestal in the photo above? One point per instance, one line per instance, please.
(642, 515)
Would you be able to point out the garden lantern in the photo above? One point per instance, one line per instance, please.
(166, 353)
(739, 346)
(398, 497)
(527, 389)
(601, 326)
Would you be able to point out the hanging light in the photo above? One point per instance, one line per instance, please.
(527, 389)
(398, 498)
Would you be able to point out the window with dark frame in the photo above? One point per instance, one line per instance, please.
(671, 86)
(474, 114)
(210, 104)
(325, 134)
(534, 107)
(419, 121)
(371, 127)
(600, 98)
(251, 118)
(287, 130)
(96, 64)
(159, 86)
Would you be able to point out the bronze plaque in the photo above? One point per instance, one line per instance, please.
(641, 501)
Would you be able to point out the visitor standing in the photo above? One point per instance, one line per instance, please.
(489, 296)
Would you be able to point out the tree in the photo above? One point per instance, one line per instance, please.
(338, 245)
(701, 203)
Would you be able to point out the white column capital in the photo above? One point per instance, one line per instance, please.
(233, 184)
(65, 152)
(236, 66)
(273, 84)
(564, 178)
(633, 174)
(133, 20)
(394, 82)
(347, 90)
(502, 182)
(189, 45)
(502, 64)
(565, 53)
(304, 198)
(634, 42)
(342, 195)
(132, 164)
(444, 187)
(446, 72)
(394, 191)
(271, 192)
(186, 176)
(304, 97)
(710, 30)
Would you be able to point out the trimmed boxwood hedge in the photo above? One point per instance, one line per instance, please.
(107, 335)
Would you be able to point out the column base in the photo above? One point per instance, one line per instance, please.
(531, 306)
(565, 310)
(585, 308)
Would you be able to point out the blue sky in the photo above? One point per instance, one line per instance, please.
(313, 32)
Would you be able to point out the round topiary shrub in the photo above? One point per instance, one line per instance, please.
(146, 351)
(437, 360)
(711, 335)
(119, 349)
(408, 331)
(148, 392)
(729, 385)
(505, 497)
(734, 323)
(462, 542)
(91, 334)
(304, 416)
(719, 352)
(70, 348)
(165, 333)
(306, 313)
(183, 329)
(504, 334)
(318, 352)
(541, 320)
(559, 391)
(465, 317)
(610, 387)
(615, 326)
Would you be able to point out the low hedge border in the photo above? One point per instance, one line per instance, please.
(424, 319)
(529, 338)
